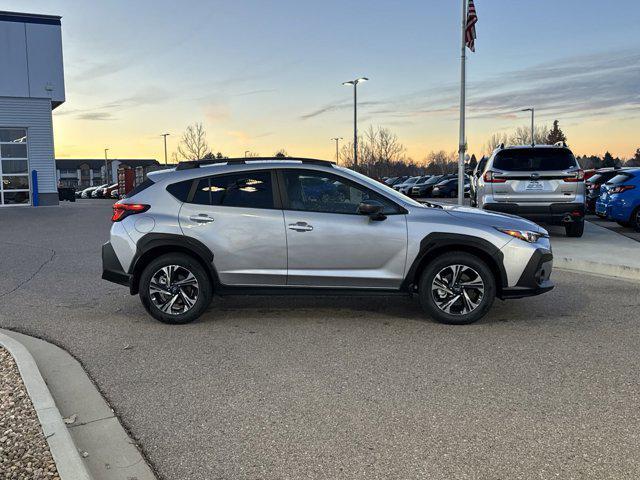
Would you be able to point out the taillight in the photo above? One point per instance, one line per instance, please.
(123, 210)
(489, 177)
(578, 178)
(621, 188)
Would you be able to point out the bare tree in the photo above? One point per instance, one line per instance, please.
(441, 162)
(520, 136)
(282, 153)
(379, 152)
(193, 143)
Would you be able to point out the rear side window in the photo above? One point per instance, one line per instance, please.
(534, 159)
(180, 190)
(143, 186)
(246, 190)
(620, 178)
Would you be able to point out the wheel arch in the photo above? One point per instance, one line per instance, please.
(436, 244)
(152, 245)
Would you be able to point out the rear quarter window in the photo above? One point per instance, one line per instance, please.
(143, 186)
(534, 159)
(620, 178)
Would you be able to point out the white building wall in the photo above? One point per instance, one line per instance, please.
(34, 114)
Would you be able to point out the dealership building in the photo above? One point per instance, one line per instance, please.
(82, 173)
(31, 86)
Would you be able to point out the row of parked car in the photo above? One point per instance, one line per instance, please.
(100, 191)
(442, 186)
(614, 193)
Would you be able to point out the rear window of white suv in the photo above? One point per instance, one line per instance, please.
(534, 159)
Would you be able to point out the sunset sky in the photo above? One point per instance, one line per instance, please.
(265, 75)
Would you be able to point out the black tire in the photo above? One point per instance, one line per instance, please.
(427, 295)
(574, 229)
(635, 219)
(202, 291)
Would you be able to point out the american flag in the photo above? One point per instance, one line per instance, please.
(470, 31)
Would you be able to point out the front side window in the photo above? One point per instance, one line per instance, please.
(322, 192)
(245, 190)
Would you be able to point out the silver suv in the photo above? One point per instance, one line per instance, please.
(543, 183)
(273, 226)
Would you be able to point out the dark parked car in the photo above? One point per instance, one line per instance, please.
(66, 193)
(425, 189)
(602, 176)
(449, 188)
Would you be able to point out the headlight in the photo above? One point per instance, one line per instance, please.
(525, 235)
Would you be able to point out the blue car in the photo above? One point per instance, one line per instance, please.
(620, 199)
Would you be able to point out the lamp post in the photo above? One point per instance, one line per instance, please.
(106, 166)
(532, 110)
(337, 140)
(355, 83)
(165, 135)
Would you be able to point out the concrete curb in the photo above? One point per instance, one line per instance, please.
(597, 268)
(63, 450)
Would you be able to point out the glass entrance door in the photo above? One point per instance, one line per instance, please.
(14, 167)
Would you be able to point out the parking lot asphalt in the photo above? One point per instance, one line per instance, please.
(354, 388)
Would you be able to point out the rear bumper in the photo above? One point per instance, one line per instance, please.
(535, 279)
(554, 213)
(112, 270)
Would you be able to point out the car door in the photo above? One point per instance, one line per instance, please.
(329, 244)
(239, 218)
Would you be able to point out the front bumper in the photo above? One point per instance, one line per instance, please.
(535, 279)
(112, 270)
(553, 214)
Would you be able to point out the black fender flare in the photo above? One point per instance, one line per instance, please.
(438, 243)
(153, 244)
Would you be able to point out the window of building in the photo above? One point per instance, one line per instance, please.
(14, 167)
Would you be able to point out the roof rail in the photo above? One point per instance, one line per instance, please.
(560, 144)
(501, 146)
(187, 165)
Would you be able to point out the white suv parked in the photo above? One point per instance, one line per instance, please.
(543, 183)
(273, 226)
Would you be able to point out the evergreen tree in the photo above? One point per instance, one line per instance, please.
(473, 162)
(556, 134)
(608, 160)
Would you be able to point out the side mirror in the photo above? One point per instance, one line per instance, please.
(373, 209)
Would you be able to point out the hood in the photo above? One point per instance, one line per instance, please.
(492, 219)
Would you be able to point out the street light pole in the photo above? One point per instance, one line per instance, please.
(532, 110)
(337, 140)
(106, 166)
(165, 135)
(355, 83)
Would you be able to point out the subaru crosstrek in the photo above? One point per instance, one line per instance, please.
(264, 226)
(543, 183)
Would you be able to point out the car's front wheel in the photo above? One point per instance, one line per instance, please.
(175, 289)
(457, 288)
(635, 219)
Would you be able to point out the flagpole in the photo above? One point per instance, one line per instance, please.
(463, 87)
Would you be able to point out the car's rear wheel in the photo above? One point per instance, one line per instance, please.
(574, 229)
(635, 219)
(175, 289)
(457, 288)
(623, 224)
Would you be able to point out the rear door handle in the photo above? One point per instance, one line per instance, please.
(201, 218)
(300, 227)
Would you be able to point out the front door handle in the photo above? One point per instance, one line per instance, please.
(201, 218)
(300, 227)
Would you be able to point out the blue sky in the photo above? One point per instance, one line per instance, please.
(265, 75)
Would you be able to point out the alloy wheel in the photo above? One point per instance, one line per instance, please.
(173, 289)
(457, 289)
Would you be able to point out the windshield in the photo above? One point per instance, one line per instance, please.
(534, 159)
(433, 180)
(595, 178)
(381, 186)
